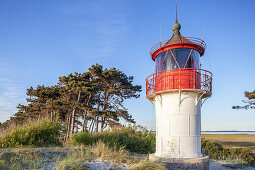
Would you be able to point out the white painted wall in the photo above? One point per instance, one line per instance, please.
(178, 125)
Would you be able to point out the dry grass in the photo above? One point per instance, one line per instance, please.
(148, 165)
(104, 152)
(21, 159)
(234, 140)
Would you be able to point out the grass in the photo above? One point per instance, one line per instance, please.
(117, 146)
(132, 138)
(43, 133)
(233, 140)
(148, 165)
(20, 159)
(72, 162)
(79, 156)
(103, 152)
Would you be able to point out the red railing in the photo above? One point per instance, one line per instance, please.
(179, 79)
(183, 40)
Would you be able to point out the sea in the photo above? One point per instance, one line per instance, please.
(224, 132)
(229, 132)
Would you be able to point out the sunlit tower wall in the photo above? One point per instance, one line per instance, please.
(177, 90)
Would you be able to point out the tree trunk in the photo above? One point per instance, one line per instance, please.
(84, 124)
(51, 115)
(102, 124)
(98, 107)
(97, 121)
(73, 116)
(93, 124)
(68, 126)
(106, 96)
(90, 126)
(103, 127)
(72, 122)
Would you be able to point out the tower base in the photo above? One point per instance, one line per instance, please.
(201, 163)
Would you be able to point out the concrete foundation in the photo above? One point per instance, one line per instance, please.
(201, 163)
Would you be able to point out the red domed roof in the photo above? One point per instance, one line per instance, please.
(178, 41)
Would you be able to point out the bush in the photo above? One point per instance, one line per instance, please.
(131, 138)
(43, 133)
(217, 151)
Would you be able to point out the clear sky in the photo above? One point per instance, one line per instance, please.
(41, 40)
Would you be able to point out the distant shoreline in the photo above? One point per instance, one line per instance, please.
(243, 131)
(228, 130)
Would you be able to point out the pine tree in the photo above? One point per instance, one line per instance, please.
(89, 101)
(250, 102)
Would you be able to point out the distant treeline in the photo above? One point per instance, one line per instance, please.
(89, 101)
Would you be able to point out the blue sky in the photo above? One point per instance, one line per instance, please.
(42, 40)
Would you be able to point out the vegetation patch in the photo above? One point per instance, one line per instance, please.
(148, 165)
(21, 159)
(233, 140)
(236, 155)
(90, 102)
(44, 133)
(71, 163)
(132, 138)
(103, 152)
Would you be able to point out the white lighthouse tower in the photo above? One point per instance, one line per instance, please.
(177, 89)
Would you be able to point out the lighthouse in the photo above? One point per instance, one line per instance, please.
(177, 90)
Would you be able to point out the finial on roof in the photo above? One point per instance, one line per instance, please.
(176, 28)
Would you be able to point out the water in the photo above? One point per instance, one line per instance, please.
(229, 132)
(224, 132)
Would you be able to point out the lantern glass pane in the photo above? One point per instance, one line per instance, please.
(166, 61)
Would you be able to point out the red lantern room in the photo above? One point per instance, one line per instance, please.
(177, 62)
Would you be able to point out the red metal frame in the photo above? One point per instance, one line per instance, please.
(179, 79)
(185, 42)
(188, 58)
(163, 61)
(197, 60)
(175, 59)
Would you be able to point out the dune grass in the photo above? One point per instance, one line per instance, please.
(43, 133)
(20, 159)
(148, 165)
(234, 140)
(132, 138)
(103, 152)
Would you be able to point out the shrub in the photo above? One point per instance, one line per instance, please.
(131, 138)
(217, 151)
(43, 133)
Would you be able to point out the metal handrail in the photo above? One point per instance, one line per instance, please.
(177, 79)
(183, 40)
